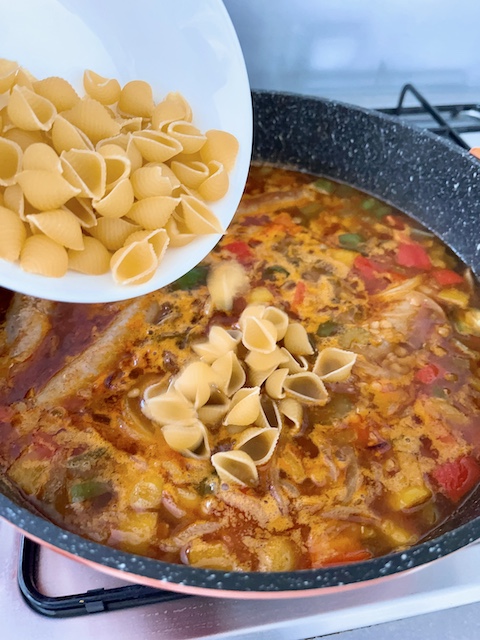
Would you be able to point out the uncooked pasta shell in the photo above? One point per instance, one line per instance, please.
(259, 335)
(194, 383)
(220, 341)
(13, 235)
(277, 317)
(23, 138)
(93, 119)
(58, 91)
(105, 90)
(118, 202)
(83, 211)
(334, 365)
(156, 146)
(136, 99)
(13, 199)
(93, 260)
(59, 225)
(150, 181)
(8, 73)
(269, 415)
(197, 217)
(183, 438)
(215, 408)
(44, 256)
(258, 361)
(169, 408)
(258, 443)
(293, 410)
(177, 238)
(112, 232)
(66, 136)
(244, 407)
(117, 164)
(224, 282)
(217, 183)
(172, 107)
(274, 383)
(134, 263)
(46, 190)
(221, 146)
(85, 170)
(294, 364)
(230, 373)
(235, 467)
(191, 174)
(191, 138)
(296, 340)
(306, 387)
(10, 161)
(158, 238)
(153, 213)
(41, 156)
(27, 110)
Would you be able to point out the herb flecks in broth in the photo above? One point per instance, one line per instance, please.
(374, 465)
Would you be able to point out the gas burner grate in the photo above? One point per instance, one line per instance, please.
(92, 601)
(449, 120)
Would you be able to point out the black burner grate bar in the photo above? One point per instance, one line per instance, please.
(92, 601)
(450, 130)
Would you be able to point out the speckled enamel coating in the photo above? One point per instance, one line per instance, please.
(431, 180)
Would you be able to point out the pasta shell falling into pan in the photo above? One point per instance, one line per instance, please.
(230, 374)
(259, 335)
(194, 383)
(220, 341)
(296, 340)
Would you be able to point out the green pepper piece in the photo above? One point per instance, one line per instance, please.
(327, 328)
(88, 490)
(350, 240)
(269, 272)
(195, 278)
(382, 210)
(324, 186)
(369, 203)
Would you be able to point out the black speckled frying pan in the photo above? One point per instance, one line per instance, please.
(431, 180)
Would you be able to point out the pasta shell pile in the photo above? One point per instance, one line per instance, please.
(106, 181)
(251, 395)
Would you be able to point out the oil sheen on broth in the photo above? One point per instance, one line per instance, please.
(376, 468)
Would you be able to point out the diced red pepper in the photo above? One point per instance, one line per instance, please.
(413, 255)
(370, 272)
(427, 374)
(299, 295)
(456, 478)
(240, 250)
(365, 267)
(447, 277)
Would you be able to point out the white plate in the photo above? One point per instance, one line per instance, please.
(176, 45)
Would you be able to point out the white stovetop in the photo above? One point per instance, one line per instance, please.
(446, 583)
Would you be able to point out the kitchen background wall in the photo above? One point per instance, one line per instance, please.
(362, 51)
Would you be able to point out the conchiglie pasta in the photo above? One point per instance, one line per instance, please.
(136, 99)
(158, 238)
(190, 174)
(85, 170)
(105, 90)
(41, 156)
(156, 146)
(10, 161)
(153, 213)
(134, 263)
(59, 225)
(58, 91)
(221, 146)
(29, 111)
(198, 217)
(93, 119)
(118, 202)
(112, 232)
(8, 74)
(191, 138)
(46, 190)
(44, 256)
(217, 183)
(66, 136)
(172, 107)
(150, 181)
(23, 138)
(334, 365)
(93, 259)
(235, 467)
(13, 235)
(83, 211)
